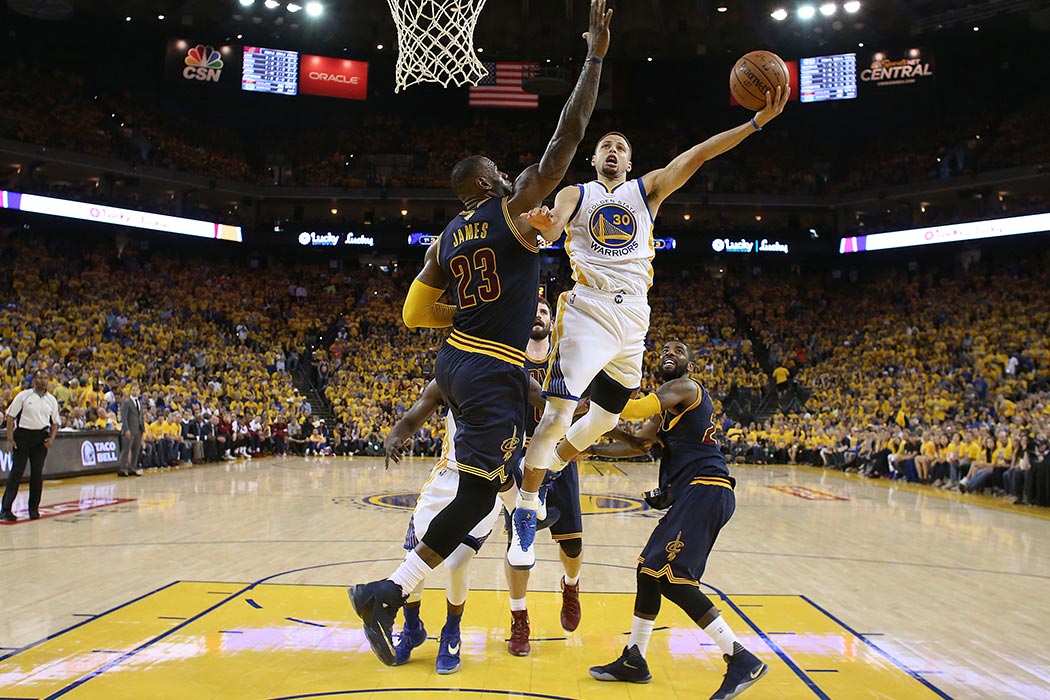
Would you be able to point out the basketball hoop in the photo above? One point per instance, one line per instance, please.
(435, 42)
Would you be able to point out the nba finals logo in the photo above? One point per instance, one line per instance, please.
(613, 229)
(203, 63)
(674, 547)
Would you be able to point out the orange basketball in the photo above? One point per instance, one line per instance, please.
(754, 75)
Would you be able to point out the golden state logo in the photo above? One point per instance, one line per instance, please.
(613, 230)
(203, 63)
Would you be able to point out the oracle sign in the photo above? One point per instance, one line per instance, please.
(333, 77)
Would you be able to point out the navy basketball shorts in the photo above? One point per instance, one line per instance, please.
(488, 398)
(683, 539)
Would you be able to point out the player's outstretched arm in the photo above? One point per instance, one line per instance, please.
(401, 434)
(660, 184)
(551, 222)
(422, 308)
(538, 181)
(677, 393)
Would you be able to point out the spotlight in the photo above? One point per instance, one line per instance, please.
(379, 47)
(271, 4)
(160, 17)
(314, 9)
(828, 9)
(247, 3)
(293, 7)
(779, 14)
(851, 6)
(723, 8)
(806, 12)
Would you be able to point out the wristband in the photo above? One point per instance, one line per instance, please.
(755, 124)
(594, 59)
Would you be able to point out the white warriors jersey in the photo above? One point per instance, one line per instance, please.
(610, 238)
(447, 458)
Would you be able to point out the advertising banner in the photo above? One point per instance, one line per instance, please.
(948, 233)
(333, 77)
(75, 452)
(202, 63)
(103, 214)
(899, 67)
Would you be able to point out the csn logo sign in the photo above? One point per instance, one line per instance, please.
(203, 63)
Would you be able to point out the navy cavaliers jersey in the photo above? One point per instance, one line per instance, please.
(537, 371)
(491, 265)
(690, 448)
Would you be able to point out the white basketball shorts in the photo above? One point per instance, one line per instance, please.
(437, 493)
(595, 331)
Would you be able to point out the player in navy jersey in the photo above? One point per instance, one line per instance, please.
(488, 254)
(562, 503)
(696, 488)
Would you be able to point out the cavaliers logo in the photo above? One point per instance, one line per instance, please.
(674, 547)
(510, 445)
(612, 226)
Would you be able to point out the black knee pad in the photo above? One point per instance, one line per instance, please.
(647, 598)
(572, 548)
(608, 393)
(473, 502)
(689, 598)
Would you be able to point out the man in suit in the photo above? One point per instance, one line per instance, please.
(133, 425)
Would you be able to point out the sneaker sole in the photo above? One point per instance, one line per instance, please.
(377, 639)
(524, 652)
(747, 684)
(602, 676)
(448, 672)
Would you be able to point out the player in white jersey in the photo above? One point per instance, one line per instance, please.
(602, 321)
(438, 491)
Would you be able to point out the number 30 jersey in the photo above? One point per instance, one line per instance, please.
(610, 238)
(495, 272)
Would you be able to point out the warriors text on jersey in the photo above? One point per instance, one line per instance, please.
(490, 263)
(610, 238)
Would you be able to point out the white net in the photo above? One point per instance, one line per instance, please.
(435, 42)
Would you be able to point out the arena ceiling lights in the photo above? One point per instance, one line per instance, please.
(313, 9)
(807, 11)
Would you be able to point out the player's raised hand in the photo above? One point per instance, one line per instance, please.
(774, 105)
(598, 35)
(540, 218)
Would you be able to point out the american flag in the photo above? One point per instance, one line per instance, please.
(502, 87)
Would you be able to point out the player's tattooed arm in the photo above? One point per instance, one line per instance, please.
(537, 181)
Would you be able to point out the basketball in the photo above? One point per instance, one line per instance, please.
(754, 75)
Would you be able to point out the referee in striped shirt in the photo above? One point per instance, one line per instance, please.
(32, 422)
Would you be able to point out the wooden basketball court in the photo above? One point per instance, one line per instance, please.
(228, 581)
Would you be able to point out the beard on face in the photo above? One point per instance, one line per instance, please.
(667, 374)
(539, 333)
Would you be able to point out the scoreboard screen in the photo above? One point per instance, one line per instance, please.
(270, 70)
(823, 78)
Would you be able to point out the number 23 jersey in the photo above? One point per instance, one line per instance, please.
(495, 271)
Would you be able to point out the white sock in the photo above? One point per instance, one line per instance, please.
(509, 497)
(411, 572)
(527, 500)
(640, 632)
(517, 604)
(571, 580)
(720, 633)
